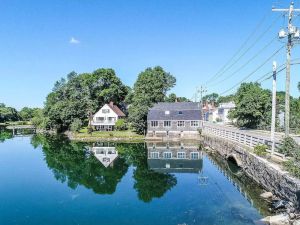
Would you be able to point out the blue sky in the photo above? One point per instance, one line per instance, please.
(192, 39)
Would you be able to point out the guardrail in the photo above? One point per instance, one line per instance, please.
(243, 137)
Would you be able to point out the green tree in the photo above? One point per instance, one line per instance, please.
(76, 125)
(82, 94)
(211, 98)
(151, 87)
(225, 99)
(253, 106)
(121, 124)
(8, 114)
(173, 98)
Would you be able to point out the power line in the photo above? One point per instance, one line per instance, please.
(246, 63)
(225, 68)
(250, 74)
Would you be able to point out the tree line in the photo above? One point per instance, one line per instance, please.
(75, 98)
(254, 106)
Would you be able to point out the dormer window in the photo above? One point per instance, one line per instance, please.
(180, 112)
(105, 110)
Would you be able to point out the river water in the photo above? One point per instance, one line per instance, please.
(50, 180)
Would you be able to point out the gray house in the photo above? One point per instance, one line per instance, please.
(174, 120)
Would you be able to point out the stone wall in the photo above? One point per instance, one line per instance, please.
(269, 175)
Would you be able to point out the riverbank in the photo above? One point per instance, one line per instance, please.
(124, 136)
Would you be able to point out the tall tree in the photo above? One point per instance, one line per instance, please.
(8, 113)
(151, 87)
(253, 106)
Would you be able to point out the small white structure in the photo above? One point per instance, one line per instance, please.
(105, 119)
(106, 155)
(223, 111)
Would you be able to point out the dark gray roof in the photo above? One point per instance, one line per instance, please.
(189, 111)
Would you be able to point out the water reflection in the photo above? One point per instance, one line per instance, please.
(78, 164)
(106, 155)
(73, 163)
(174, 157)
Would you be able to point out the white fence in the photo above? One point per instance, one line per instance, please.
(239, 136)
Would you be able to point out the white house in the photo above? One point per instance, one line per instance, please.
(223, 111)
(105, 119)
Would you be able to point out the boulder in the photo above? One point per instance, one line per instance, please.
(281, 219)
(266, 195)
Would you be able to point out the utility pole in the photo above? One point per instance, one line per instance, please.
(292, 33)
(200, 91)
(273, 108)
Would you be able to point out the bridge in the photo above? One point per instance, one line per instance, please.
(238, 145)
(17, 128)
(248, 138)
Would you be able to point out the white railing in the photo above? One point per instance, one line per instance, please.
(243, 137)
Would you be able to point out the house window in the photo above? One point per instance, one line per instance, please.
(167, 155)
(180, 112)
(154, 155)
(181, 155)
(99, 118)
(167, 123)
(111, 118)
(105, 110)
(194, 155)
(154, 123)
(194, 123)
(167, 112)
(180, 123)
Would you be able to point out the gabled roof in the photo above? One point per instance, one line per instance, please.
(116, 109)
(177, 111)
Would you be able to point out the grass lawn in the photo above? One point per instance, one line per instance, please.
(107, 134)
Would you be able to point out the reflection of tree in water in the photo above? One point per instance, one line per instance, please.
(72, 163)
(5, 134)
(148, 183)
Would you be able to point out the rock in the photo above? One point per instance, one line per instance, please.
(292, 216)
(281, 219)
(296, 222)
(266, 195)
(279, 204)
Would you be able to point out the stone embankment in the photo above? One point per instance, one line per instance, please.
(269, 175)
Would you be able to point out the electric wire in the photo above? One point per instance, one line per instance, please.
(245, 64)
(225, 68)
(253, 72)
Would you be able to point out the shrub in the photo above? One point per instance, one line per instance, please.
(289, 147)
(76, 125)
(292, 167)
(261, 150)
(121, 125)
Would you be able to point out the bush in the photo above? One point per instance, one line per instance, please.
(289, 147)
(292, 167)
(261, 150)
(121, 125)
(76, 125)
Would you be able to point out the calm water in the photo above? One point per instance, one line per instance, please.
(49, 180)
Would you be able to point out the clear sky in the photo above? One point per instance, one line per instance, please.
(42, 41)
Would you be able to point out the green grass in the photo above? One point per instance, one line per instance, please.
(107, 134)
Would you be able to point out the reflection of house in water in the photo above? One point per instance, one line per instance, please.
(106, 155)
(174, 157)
